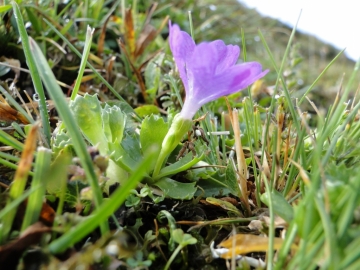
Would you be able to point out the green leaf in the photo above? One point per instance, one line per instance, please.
(128, 153)
(171, 225)
(213, 186)
(182, 238)
(153, 131)
(176, 190)
(34, 19)
(61, 140)
(180, 166)
(132, 200)
(5, 8)
(72, 195)
(15, 203)
(87, 112)
(124, 106)
(281, 206)
(147, 110)
(114, 121)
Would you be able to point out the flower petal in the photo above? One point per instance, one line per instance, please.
(227, 55)
(201, 67)
(191, 106)
(182, 47)
(204, 58)
(214, 56)
(243, 75)
(232, 80)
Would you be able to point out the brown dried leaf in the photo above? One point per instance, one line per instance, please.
(279, 223)
(147, 35)
(129, 32)
(102, 36)
(47, 215)
(9, 114)
(109, 67)
(12, 252)
(14, 64)
(26, 157)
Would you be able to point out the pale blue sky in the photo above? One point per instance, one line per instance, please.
(335, 22)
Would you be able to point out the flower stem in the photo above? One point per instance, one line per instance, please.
(173, 256)
(159, 163)
(177, 130)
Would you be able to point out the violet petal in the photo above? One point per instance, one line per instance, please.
(182, 47)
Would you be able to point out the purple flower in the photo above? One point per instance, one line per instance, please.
(209, 70)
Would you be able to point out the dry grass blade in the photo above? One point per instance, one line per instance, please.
(129, 32)
(147, 35)
(242, 167)
(25, 163)
(18, 185)
(101, 41)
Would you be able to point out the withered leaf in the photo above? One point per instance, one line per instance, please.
(129, 31)
(147, 35)
(9, 114)
(11, 253)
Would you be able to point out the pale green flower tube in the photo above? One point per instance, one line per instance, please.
(178, 129)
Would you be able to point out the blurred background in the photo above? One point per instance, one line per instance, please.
(331, 21)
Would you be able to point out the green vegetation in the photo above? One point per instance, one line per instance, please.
(268, 174)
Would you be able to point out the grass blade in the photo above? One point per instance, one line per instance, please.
(61, 105)
(7, 139)
(34, 73)
(320, 75)
(35, 201)
(87, 46)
